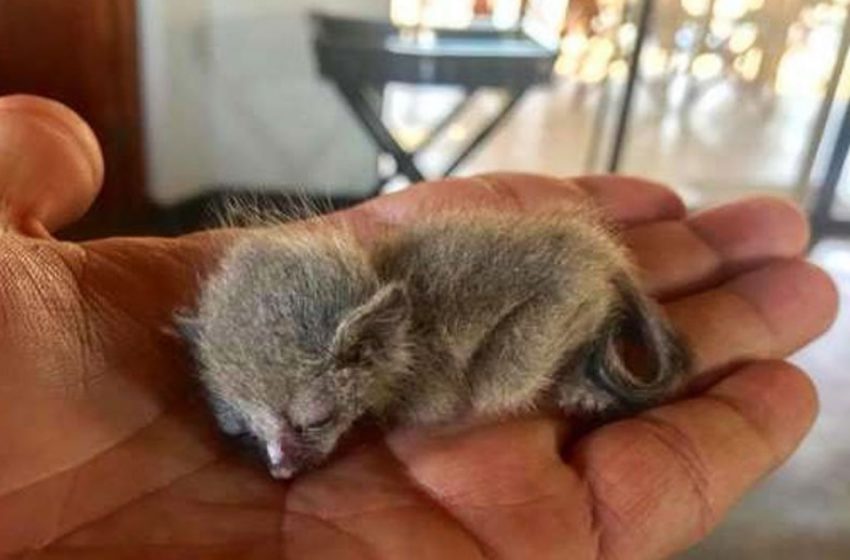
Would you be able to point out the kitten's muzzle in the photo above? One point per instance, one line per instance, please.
(281, 472)
(285, 458)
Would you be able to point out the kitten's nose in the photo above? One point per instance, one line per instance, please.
(278, 465)
(281, 472)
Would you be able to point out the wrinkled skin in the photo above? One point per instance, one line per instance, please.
(108, 453)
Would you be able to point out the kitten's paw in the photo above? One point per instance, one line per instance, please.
(584, 399)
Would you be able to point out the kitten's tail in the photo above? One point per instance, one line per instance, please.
(640, 358)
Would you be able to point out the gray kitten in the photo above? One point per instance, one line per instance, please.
(302, 331)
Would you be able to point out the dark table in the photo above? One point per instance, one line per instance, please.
(361, 56)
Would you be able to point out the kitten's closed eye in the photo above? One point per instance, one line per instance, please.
(319, 424)
(310, 410)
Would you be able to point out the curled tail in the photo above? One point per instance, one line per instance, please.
(639, 358)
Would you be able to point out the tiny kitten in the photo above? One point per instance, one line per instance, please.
(302, 331)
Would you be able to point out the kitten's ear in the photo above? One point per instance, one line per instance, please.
(376, 330)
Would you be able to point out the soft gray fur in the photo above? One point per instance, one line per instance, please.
(302, 331)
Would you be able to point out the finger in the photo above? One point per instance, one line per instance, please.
(120, 271)
(767, 313)
(627, 201)
(631, 200)
(505, 482)
(680, 257)
(51, 167)
(660, 482)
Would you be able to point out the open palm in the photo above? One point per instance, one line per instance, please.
(108, 451)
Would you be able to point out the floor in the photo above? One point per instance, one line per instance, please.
(712, 142)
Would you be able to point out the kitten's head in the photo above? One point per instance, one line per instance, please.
(293, 357)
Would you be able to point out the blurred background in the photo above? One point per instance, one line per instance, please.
(198, 101)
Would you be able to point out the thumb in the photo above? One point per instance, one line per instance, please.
(51, 167)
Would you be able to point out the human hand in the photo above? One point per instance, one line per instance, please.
(108, 452)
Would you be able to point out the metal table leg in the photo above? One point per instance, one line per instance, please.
(822, 221)
(515, 96)
(445, 121)
(816, 138)
(628, 98)
(597, 134)
(373, 123)
(367, 116)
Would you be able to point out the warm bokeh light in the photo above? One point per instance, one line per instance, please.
(574, 43)
(802, 74)
(727, 9)
(731, 9)
(447, 13)
(748, 64)
(567, 66)
(431, 13)
(722, 28)
(552, 12)
(626, 35)
(457, 133)
(405, 12)
(655, 61)
(410, 136)
(461, 13)
(742, 38)
(696, 8)
(707, 66)
(618, 70)
(597, 60)
(737, 36)
(506, 13)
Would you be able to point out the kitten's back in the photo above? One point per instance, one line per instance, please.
(467, 270)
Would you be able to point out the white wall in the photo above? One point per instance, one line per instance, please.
(232, 97)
